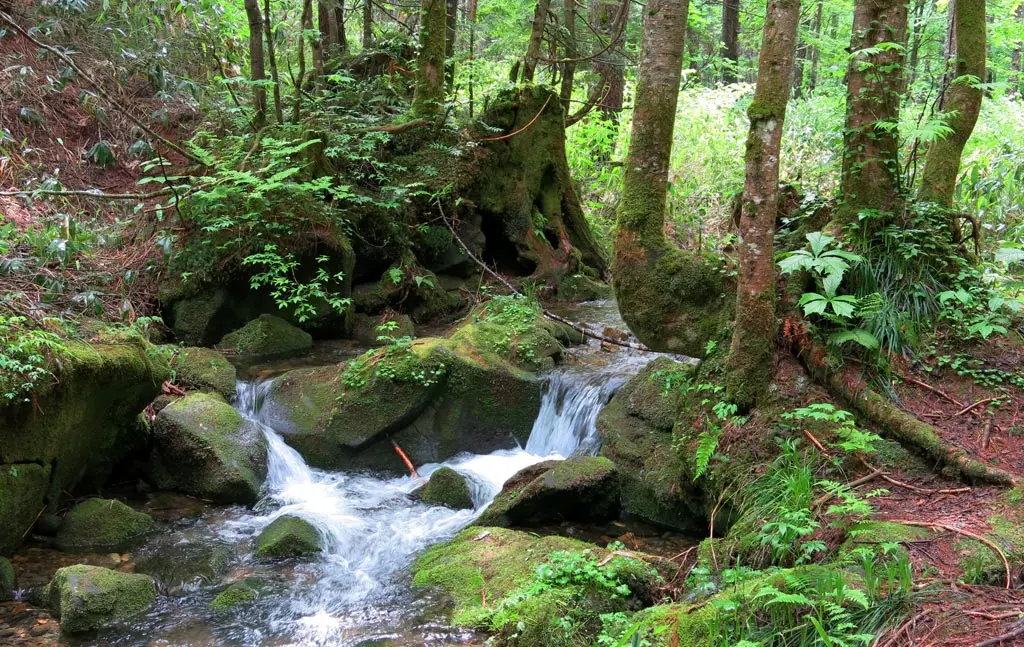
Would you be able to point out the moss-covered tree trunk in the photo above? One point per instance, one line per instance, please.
(540, 20)
(268, 31)
(672, 300)
(428, 97)
(257, 72)
(871, 173)
(450, 34)
(750, 357)
(569, 65)
(961, 99)
(367, 24)
(730, 39)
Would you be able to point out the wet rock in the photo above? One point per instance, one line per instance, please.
(448, 488)
(580, 287)
(288, 536)
(245, 591)
(365, 328)
(266, 337)
(180, 567)
(98, 525)
(203, 369)
(578, 489)
(8, 581)
(89, 597)
(210, 451)
(47, 525)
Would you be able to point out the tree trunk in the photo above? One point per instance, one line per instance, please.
(268, 31)
(871, 172)
(610, 63)
(257, 73)
(802, 54)
(540, 19)
(730, 39)
(1015, 57)
(812, 82)
(672, 300)
(569, 66)
(471, 17)
(316, 44)
(339, 20)
(916, 28)
(451, 32)
(428, 97)
(961, 99)
(753, 340)
(306, 22)
(367, 24)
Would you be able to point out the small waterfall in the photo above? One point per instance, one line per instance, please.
(567, 422)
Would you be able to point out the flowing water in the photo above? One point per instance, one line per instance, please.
(357, 592)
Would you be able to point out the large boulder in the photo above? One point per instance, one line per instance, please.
(448, 488)
(578, 489)
(432, 397)
(288, 536)
(266, 337)
(102, 525)
(203, 369)
(87, 598)
(77, 427)
(207, 449)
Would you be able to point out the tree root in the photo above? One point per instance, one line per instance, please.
(905, 428)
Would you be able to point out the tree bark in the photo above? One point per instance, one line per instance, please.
(428, 96)
(812, 82)
(316, 43)
(730, 39)
(610, 65)
(672, 300)
(749, 367)
(961, 99)
(569, 66)
(367, 24)
(339, 20)
(257, 73)
(306, 22)
(540, 20)
(268, 31)
(871, 171)
(451, 32)
(1015, 57)
(916, 26)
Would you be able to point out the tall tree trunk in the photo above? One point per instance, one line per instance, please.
(609, 63)
(874, 85)
(1015, 57)
(672, 300)
(730, 39)
(428, 96)
(961, 99)
(257, 73)
(916, 29)
(367, 24)
(451, 32)
(753, 339)
(569, 66)
(812, 82)
(306, 22)
(471, 17)
(316, 44)
(802, 54)
(339, 20)
(540, 20)
(268, 31)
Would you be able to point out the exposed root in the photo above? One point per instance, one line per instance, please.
(1004, 638)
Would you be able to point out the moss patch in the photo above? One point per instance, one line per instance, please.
(288, 536)
(203, 369)
(245, 591)
(102, 525)
(265, 337)
(89, 597)
(448, 488)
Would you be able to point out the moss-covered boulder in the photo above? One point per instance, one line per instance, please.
(8, 580)
(102, 525)
(578, 489)
(580, 287)
(288, 536)
(203, 369)
(89, 597)
(448, 488)
(636, 434)
(247, 590)
(366, 328)
(77, 427)
(433, 397)
(266, 337)
(210, 451)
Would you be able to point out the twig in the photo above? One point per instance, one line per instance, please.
(1018, 629)
(87, 193)
(972, 406)
(966, 533)
(816, 442)
(852, 484)
(405, 459)
(932, 389)
(906, 626)
(914, 488)
(516, 132)
(995, 616)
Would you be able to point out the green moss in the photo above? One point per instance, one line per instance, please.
(90, 597)
(579, 287)
(979, 563)
(265, 337)
(203, 369)
(23, 490)
(874, 534)
(288, 536)
(245, 591)
(8, 581)
(448, 488)
(102, 525)
(193, 317)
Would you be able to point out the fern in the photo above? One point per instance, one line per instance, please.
(708, 443)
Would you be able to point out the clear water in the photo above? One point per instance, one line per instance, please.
(358, 591)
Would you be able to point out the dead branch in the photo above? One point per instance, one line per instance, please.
(973, 406)
(966, 533)
(524, 128)
(931, 388)
(1018, 629)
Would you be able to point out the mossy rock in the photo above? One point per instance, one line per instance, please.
(197, 561)
(288, 536)
(247, 590)
(266, 337)
(204, 369)
(875, 534)
(577, 489)
(194, 318)
(77, 428)
(210, 450)
(364, 328)
(102, 525)
(448, 488)
(580, 287)
(87, 598)
(8, 580)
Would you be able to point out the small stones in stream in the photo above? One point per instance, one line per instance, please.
(22, 625)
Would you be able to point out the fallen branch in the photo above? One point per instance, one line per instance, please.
(86, 193)
(852, 484)
(906, 626)
(986, 432)
(405, 459)
(1018, 629)
(931, 388)
(973, 406)
(914, 488)
(524, 128)
(392, 129)
(966, 533)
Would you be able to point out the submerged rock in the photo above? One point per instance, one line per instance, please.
(245, 591)
(194, 560)
(207, 449)
(288, 536)
(102, 525)
(266, 337)
(89, 597)
(204, 369)
(448, 488)
(8, 581)
(577, 489)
